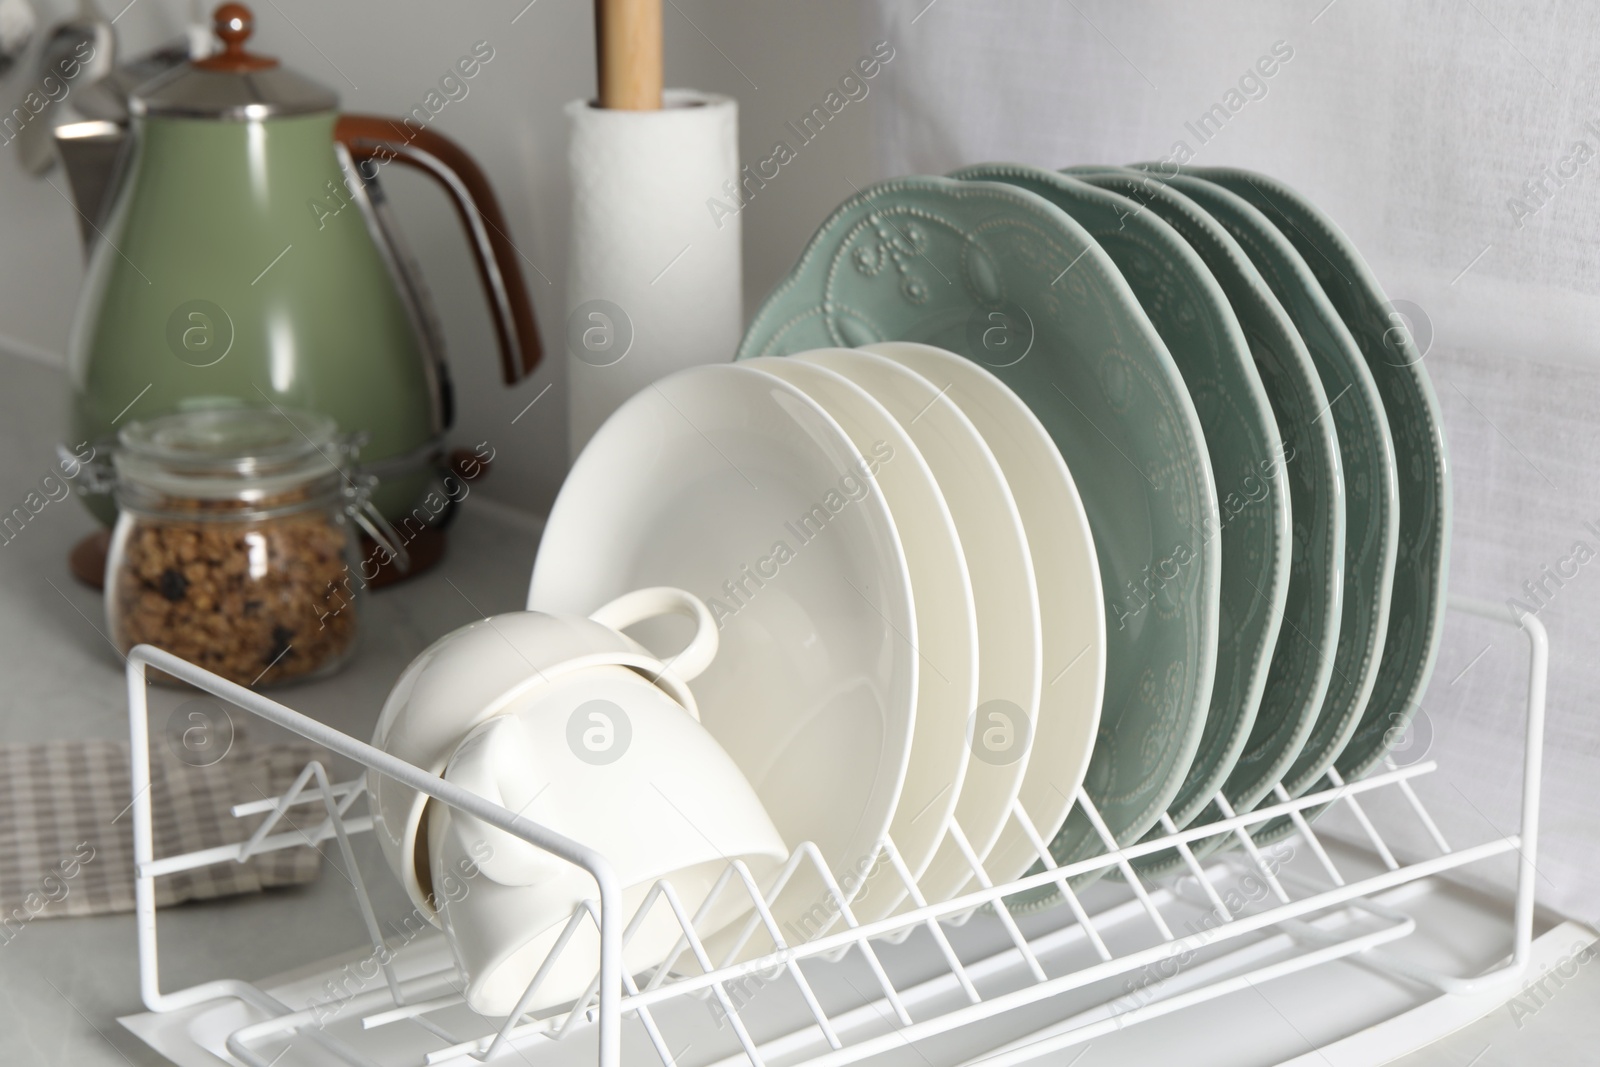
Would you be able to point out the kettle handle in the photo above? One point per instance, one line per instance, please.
(379, 139)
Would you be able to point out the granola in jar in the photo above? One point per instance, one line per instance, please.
(234, 542)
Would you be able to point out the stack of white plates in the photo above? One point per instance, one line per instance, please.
(889, 539)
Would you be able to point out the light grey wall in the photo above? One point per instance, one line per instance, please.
(1425, 129)
(778, 59)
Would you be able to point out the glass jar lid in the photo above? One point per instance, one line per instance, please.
(242, 454)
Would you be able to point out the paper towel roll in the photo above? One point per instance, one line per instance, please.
(653, 282)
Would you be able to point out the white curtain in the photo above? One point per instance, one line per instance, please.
(1459, 146)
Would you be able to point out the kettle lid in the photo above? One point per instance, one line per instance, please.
(232, 84)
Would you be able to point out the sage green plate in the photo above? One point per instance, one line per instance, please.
(1004, 278)
(1416, 614)
(1372, 509)
(1219, 229)
(1192, 315)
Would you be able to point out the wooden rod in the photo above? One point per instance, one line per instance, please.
(628, 39)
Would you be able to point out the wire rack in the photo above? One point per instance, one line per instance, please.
(1128, 950)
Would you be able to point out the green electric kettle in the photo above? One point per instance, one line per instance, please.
(241, 254)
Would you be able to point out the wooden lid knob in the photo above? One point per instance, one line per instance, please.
(233, 25)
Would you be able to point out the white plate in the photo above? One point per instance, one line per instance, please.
(1071, 604)
(1006, 600)
(947, 633)
(736, 486)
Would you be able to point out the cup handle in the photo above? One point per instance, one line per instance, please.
(641, 604)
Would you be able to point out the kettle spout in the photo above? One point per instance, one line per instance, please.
(90, 151)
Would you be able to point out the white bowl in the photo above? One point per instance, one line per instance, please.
(608, 759)
(480, 670)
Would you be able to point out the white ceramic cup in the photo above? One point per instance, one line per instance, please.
(608, 759)
(495, 665)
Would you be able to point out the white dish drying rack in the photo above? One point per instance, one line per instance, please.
(1251, 917)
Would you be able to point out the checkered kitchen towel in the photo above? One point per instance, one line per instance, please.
(66, 825)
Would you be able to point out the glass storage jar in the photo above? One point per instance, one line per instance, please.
(234, 546)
